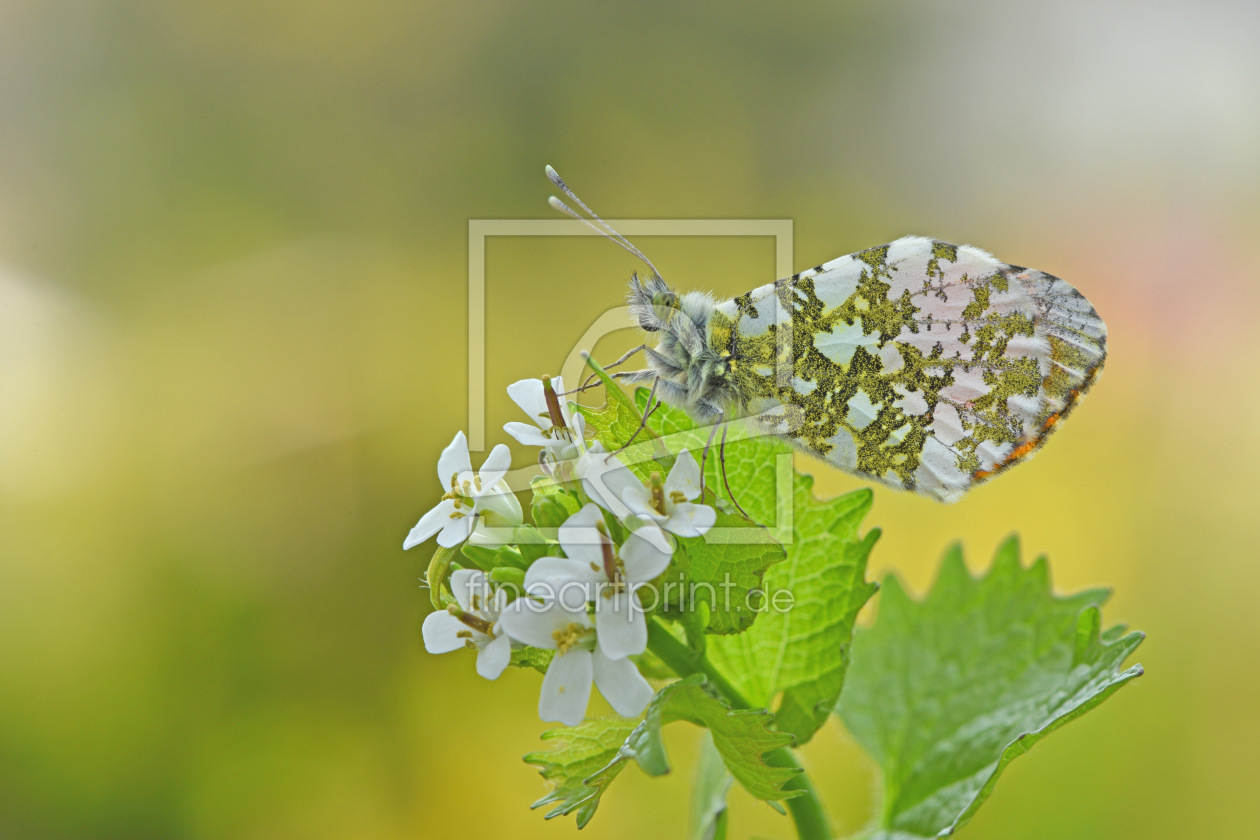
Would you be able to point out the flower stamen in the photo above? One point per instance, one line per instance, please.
(657, 486)
(610, 557)
(553, 404)
(569, 636)
(469, 620)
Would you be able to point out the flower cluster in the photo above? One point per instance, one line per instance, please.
(576, 594)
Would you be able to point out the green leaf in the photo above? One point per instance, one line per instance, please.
(944, 694)
(508, 576)
(617, 422)
(714, 582)
(651, 666)
(531, 545)
(740, 736)
(720, 577)
(488, 557)
(708, 794)
(718, 581)
(752, 463)
(551, 503)
(802, 651)
(579, 753)
(552, 511)
(531, 657)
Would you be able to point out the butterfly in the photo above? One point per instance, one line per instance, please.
(922, 365)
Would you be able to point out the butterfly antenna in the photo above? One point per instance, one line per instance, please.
(604, 229)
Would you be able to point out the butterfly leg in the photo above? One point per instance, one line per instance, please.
(725, 479)
(630, 376)
(649, 407)
(662, 365)
(704, 456)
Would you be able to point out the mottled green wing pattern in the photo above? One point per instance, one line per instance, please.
(927, 366)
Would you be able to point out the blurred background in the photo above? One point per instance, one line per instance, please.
(233, 307)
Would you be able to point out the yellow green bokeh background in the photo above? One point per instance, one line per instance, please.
(233, 340)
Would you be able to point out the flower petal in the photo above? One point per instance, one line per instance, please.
(494, 609)
(642, 507)
(620, 625)
(441, 630)
(499, 507)
(528, 394)
(622, 685)
(471, 589)
(496, 465)
(690, 520)
(581, 539)
(527, 435)
(591, 467)
(494, 657)
(627, 486)
(566, 688)
(456, 530)
(684, 477)
(646, 553)
(454, 460)
(564, 579)
(432, 522)
(490, 535)
(534, 622)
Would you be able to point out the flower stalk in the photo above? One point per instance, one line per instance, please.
(806, 808)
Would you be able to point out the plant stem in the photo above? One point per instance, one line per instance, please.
(684, 661)
(806, 808)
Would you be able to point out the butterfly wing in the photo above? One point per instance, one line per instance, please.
(927, 366)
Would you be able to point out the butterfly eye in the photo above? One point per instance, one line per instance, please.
(665, 304)
(665, 300)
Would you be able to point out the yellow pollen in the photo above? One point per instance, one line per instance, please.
(677, 497)
(568, 636)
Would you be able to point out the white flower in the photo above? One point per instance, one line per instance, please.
(476, 626)
(553, 429)
(578, 662)
(593, 569)
(669, 506)
(470, 497)
(593, 467)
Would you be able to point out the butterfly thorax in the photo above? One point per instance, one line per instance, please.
(691, 372)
